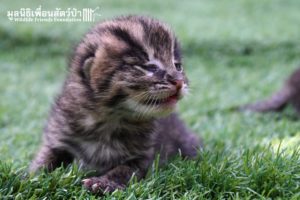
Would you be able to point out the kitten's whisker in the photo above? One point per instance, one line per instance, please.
(137, 98)
(148, 101)
(151, 106)
(140, 96)
(142, 93)
(154, 103)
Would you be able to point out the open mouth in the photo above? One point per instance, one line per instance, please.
(169, 100)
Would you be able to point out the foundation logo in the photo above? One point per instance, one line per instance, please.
(57, 15)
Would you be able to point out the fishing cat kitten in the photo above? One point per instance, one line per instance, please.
(288, 94)
(115, 110)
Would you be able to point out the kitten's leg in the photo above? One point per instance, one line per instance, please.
(275, 103)
(50, 158)
(190, 146)
(117, 178)
(174, 136)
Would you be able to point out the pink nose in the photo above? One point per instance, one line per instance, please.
(178, 83)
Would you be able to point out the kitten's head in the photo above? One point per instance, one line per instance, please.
(133, 63)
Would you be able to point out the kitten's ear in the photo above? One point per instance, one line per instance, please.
(87, 66)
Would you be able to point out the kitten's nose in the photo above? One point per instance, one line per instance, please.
(178, 83)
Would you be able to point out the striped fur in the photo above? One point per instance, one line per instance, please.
(114, 111)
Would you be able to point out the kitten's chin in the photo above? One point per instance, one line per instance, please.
(148, 111)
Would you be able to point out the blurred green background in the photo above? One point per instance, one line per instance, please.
(234, 52)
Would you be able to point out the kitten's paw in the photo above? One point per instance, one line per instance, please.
(101, 185)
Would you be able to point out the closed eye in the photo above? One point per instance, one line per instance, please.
(147, 69)
(151, 68)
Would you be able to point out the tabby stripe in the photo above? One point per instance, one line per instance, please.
(116, 99)
(176, 51)
(90, 52)
(136, 87)
(105, 84)
(126, 37)
(78, 150)
(146, 27)
(73, 145)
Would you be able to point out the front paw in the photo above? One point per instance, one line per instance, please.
(101, 185)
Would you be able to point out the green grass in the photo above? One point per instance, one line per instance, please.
(235, 52)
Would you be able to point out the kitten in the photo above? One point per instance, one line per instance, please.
(288, 94)
(116, 107)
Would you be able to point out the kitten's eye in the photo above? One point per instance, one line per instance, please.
(178, 66)
(151, 68)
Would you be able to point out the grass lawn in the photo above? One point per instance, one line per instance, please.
(235, 52)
